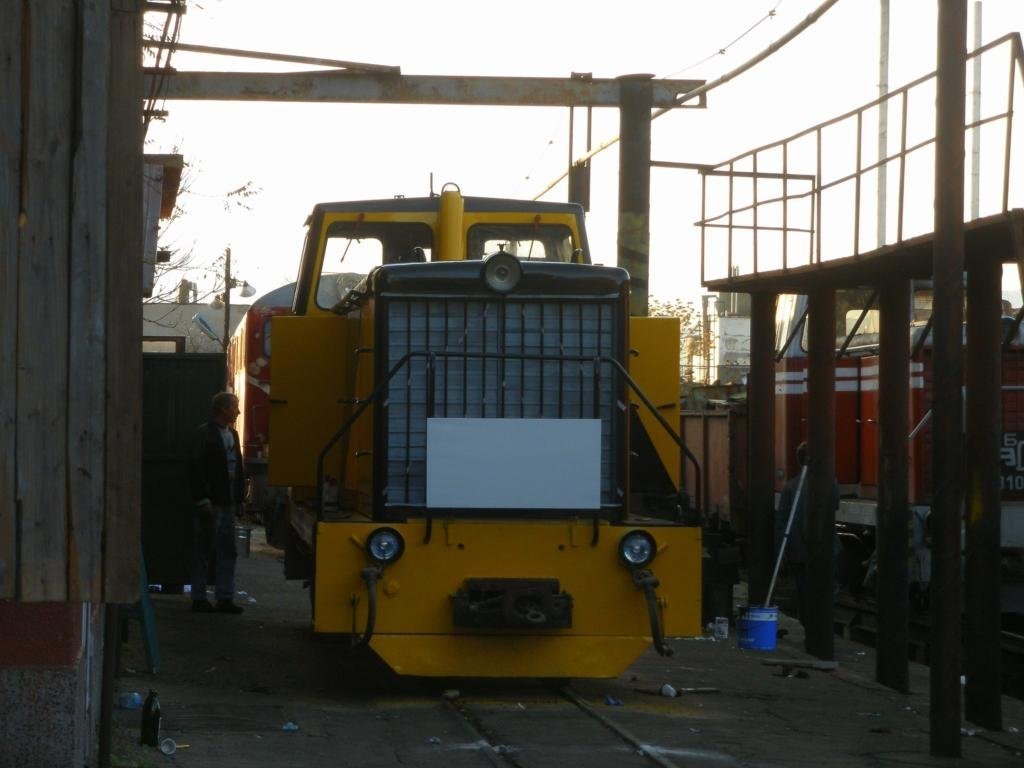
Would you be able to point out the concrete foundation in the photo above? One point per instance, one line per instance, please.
(51, 658)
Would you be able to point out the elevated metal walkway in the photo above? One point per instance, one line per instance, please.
(804, 212)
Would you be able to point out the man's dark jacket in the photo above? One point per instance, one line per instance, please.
(208, 469)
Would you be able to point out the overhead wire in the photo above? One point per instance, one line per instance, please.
(544, 151)
(725, 48)
(168, 40)
(810, 19)
(720, 52)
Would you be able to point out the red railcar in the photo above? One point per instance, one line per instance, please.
(249, 361)
(249, 378)
(856, 405)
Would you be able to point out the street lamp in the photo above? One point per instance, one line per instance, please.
(224, 299)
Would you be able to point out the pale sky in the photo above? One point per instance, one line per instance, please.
(301, 154)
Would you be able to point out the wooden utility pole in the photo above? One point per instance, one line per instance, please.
(227, 299)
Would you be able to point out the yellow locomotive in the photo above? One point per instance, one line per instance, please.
(456, 431)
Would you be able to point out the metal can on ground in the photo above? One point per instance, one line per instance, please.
(721, 628)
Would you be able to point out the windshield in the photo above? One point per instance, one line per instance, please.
(353, 248)
(529, 241)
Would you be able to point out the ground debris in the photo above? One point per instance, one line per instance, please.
(822, 666)
(678, 691)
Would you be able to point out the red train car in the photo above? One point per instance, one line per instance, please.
(249, 378)
(249, 361)
(856, 405)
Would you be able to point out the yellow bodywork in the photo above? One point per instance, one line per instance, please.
(306, 407)
(654, 355)
(415, 633)
(324, 368)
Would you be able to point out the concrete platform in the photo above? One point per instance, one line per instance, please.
(229, 684)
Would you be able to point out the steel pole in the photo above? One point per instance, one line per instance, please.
(947, 367)
(982, 695)
(892, 667)
(761, 445)
(976, 118)
(883, 119)
(227, 298)
(821, 448)
(635, 186)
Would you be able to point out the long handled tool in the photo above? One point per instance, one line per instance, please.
(785, 536)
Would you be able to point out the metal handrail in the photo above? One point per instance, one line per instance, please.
(727, 218)
(429, 355)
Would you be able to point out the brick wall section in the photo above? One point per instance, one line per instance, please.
(40, 634)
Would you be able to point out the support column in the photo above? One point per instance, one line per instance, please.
(124, 310)
(893, 528)
(982, 696)
(761, 446)
(635, 186)
(821, 475)
(947, 366)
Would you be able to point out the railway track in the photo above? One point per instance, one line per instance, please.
(553, 727)
(856, 620)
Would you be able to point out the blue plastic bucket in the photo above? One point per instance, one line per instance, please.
(757, 627)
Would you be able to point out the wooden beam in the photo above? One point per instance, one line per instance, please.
(123, 470)
(87, 293)
(42, 327)
(377, 88)
(10, 207)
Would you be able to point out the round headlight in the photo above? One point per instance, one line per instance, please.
(502, 272)
(637, 548)
(385, 545)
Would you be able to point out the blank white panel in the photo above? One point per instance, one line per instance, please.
(514, 463)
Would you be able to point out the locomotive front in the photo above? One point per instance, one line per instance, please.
(472, 513)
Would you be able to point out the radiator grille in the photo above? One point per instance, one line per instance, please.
(463, 385)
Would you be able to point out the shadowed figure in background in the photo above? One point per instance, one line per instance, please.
(217, 477)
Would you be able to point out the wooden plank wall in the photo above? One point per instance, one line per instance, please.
(70, 307)
(10, 192)
(122, 526)
(88, 326)
(42, 336)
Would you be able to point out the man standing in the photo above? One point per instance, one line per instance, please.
(217, 478)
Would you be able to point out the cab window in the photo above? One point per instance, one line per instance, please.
(527, 241)
(353, 248)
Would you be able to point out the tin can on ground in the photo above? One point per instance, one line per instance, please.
(243, 534)
(721, 628)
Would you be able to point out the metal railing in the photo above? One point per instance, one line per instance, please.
(758, 186)
(617, 368)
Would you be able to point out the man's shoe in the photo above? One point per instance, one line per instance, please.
(202, 606)
(228, 606)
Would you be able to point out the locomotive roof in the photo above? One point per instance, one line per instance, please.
(470, 204)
